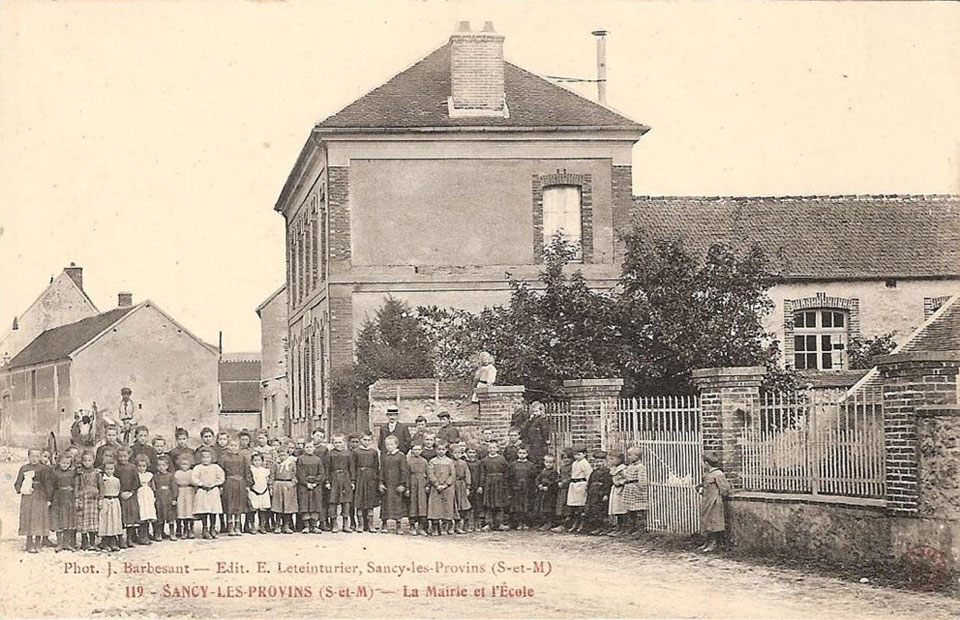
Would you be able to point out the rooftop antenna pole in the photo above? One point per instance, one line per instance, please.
(601, 65)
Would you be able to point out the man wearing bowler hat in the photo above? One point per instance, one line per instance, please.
(447, 432)
(395, 428)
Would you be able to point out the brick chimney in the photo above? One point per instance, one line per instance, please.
(76, 274)
(124, 299)
(476, 72)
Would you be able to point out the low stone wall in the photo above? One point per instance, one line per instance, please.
(426, 397)
(851, 532)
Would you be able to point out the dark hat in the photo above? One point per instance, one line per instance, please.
(393, 410)
(599, 454)
(443, 414)
(712, 458)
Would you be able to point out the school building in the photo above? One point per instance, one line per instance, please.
(460, 168)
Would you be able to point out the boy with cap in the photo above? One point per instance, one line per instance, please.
(598, 496)
(447, 431)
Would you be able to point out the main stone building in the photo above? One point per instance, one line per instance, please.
(430, 188)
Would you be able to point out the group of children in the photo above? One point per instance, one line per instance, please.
(137, 494)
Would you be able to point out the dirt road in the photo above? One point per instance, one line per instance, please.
(545, 575)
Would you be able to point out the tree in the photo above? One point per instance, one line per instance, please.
(863, 352)
(392, 345)
(681, 312)
(672, 311)
(557, 329)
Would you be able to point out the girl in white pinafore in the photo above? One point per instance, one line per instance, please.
(146, 499)
(208, 477)
(259, 492)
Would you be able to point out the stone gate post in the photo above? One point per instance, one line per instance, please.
(586, 396)
(727, 397)
(497, 405)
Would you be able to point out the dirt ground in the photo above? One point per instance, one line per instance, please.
(547, 575)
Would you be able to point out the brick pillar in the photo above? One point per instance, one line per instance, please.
(727, 397)
(622, 189)
(497, 406)
(587, 397)
(338, 232)
(918, 388)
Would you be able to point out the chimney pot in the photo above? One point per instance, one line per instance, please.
(488, 27)
(463, 27)
(76, 274)
(124, 299)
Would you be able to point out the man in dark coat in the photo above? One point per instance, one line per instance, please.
(395, 428)
(535, 432)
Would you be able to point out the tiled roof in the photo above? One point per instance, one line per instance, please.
(58, 343)
(239, 370)
(417, 98)
(941, 332)
(240, 396)
(832, 378)
(820, 237)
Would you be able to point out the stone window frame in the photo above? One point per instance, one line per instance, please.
(848, 305)
(584, 182)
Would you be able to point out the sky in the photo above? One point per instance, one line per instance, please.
(148, 141)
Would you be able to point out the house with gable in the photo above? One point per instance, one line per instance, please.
(63, 301)
(429, 188)
(172, 373)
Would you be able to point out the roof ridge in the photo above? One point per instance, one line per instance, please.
(575, 94)
(381, 84)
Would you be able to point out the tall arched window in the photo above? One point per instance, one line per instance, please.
(561, 214)
(820, 339)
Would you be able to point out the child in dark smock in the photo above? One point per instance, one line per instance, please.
(522, 475)
(340, 483)
(63, 509)
(494, 487)
(166, 500)
(366, 464)
(236, 470)
(417, 490)
(33, 485)
(547, 487)
(598, 496)
(563, 485)
(393, 484)
(129, 506)
(461, 489)
(475, 514)
(311, 476)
